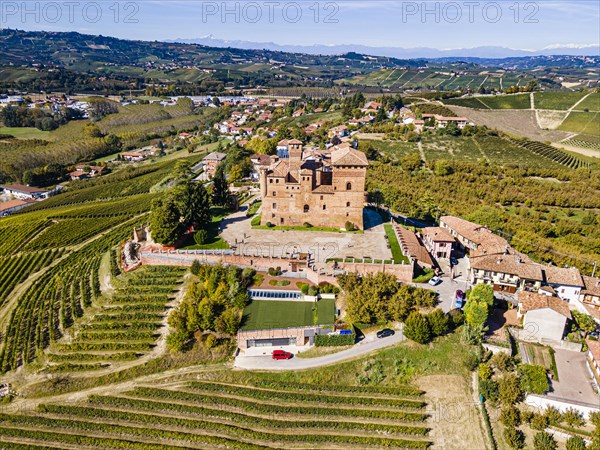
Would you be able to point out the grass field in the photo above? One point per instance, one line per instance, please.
(582, 122)
(25, 132)
(557, 100)
(267, 314)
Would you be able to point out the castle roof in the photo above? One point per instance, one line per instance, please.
(348, 157)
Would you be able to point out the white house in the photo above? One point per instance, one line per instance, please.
(544, 317)
(23, 192)
(566, 282)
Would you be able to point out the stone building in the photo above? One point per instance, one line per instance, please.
(320, 188)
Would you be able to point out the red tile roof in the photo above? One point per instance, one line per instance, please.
(529, 301)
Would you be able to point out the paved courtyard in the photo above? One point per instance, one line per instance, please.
(574, 379)
(238, 232)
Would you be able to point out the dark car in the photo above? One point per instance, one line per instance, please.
(453, 261)
(385, 333)
(281, 354)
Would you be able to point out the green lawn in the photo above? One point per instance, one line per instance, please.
(557, 100)
(394, 244)
(214, 241)
(267, 314)
(25, 132)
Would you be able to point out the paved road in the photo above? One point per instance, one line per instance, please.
(367, 345)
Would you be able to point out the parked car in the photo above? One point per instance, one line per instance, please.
(281, 354)
(435, 281)
(453, 261)
(385, 333)
(459, 298)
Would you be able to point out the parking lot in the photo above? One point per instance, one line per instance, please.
(447, 288)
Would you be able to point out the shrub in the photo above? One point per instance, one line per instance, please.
(457, 317)
(539, 422)
(438, 322)
(509, 390)
(334, 340)
(510, 417)
(489, 390)
(534, 379)
(526, 416)
(502, 362)
(416, 328)
(575, 443)
(484, 371)
(307, 225)
(349, 226)
(553, 415)
(544, 441)
(573, 418)
(514, 438)
(200, 237)
(210, 341)
(195, 268)
(270, 225)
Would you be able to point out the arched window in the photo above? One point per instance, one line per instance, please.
(348, 186)
(347, 204)
(306, 208)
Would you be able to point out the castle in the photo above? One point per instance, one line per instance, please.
(323, 188)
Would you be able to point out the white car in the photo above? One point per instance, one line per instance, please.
(435, 281)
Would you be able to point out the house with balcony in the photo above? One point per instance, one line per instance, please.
(507, 273)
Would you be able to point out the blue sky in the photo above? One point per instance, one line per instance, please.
(438, 24)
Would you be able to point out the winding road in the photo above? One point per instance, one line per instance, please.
(369, 344)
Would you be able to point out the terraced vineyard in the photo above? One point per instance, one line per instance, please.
(547, 151)
(125, 326)
(225, 415)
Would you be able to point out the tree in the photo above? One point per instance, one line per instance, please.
(576, 443)
(476, 314)
(514, 438)
(438, 322)
(585, 322)
(539, 422)
(416, 328)
(553, 415)
(165, 220)
(113, 142)
(502, 362)
(221, 195)
(489, 390)
(194, 204)
(544, 441)
(228, 322)
(509, 391)
(200, 237)
(510, 417)
(482, 293)
(534, 379)
(411, 162)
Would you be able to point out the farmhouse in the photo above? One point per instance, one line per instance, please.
(321, 189)
(438, 241)
(544, 317)
(443, 122)
(12, 206)
(23, 192)
(133, 156)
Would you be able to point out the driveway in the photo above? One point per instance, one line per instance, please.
(575, 382)
(369, 344)
(447, 288)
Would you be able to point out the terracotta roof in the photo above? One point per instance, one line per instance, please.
(294, 141)
(283, 142)
(594, 348)
(529, 301)
(592, 286)
(14, 203)
(438, 234)
(476, 233)
(510, 264)
(410, 244)
(563, 276)
(348, 157)
(261, 158)
(281, 168)
(23, 188)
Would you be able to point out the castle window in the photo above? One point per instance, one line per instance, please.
(324, 207)
(277, 180)
(347, 214)
(321, 197)
(274, 194)
(306, 208)
(347, 204)
(270, 180)
(348, 186)
(274, 205)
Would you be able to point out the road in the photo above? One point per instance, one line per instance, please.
(369, 344)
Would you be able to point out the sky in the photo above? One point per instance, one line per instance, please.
(391, 23)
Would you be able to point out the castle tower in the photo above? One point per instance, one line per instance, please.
(295, 149)
(263, 182)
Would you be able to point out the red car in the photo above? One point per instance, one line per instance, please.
(280, 354)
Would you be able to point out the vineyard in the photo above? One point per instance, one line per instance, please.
(210, 415)
(125, 326)
(552, 153)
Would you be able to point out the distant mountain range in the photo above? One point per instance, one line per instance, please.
(488, 52)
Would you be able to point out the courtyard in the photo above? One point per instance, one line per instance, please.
(236, 229)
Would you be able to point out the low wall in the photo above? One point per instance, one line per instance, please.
(497, 349)
(403, 272)
(542, 402)
(527, 336)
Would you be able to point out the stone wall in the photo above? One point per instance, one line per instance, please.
(403, 272)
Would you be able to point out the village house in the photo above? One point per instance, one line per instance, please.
(438, 241)
(259, 161)
(24, 192)
(566, 282)
(472, 236)
(443, 122)
(316, 189)
(506, 273)
(133, 156)
(211, 161)
(372, 106)
(590, 295)
(544, 317)
(339, 131)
